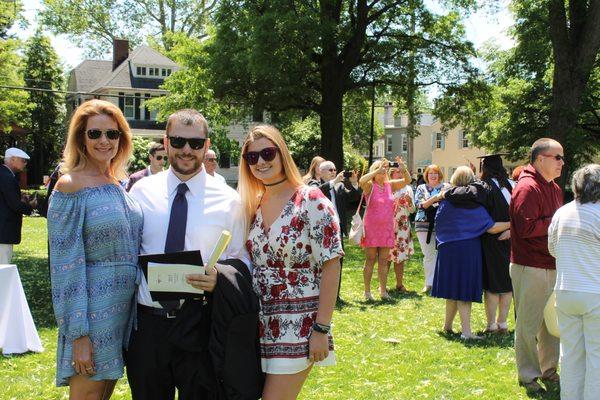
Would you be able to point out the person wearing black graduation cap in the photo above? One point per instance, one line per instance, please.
(493, 192)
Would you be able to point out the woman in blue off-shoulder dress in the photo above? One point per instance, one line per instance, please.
(94, 231)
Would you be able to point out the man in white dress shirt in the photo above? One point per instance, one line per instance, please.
(211, 163)
(170, 347)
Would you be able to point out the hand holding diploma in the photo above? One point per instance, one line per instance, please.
(208, 281)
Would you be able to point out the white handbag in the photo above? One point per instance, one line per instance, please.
(550, 316)
(357, 230)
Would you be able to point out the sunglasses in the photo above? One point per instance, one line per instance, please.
(267, 154)
(160, 158)
(332, 170)
(179, 142)
(111, 134)
(557, 157)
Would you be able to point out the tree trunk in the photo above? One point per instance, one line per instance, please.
(332, 127)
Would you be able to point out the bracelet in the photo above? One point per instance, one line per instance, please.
(321, 328)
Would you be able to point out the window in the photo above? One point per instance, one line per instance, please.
(404, 143)
(166, 71)
(438, 140)
(129, 107)
(389, 144)
(463, 140)
(151, 71)
(141, 71)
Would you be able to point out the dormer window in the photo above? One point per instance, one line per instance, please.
(141, 71)
(166, 72)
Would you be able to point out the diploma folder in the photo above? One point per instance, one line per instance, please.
(183, 257)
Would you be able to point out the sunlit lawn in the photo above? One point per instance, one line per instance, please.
(385, 350)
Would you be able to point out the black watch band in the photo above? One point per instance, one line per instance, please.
(321, 328)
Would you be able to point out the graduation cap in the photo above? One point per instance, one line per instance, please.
(492, 161)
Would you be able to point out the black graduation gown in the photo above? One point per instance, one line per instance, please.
(496, 253)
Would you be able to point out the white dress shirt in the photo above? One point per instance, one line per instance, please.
(212, 208)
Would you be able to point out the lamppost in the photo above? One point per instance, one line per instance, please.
(372, 134)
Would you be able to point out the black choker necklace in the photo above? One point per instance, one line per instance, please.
(276, 183)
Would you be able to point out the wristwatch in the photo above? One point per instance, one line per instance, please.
(321, 328)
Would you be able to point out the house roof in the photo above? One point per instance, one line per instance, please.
(88, 73)
(93, 75)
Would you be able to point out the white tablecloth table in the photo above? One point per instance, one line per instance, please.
(17, 329)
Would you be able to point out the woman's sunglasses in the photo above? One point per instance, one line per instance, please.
(267, 154)
(179, 142)
(111, 134)
(160, 158)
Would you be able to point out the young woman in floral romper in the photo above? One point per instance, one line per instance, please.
(294, 242)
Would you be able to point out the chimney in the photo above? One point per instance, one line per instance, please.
(120, 52)
(388, 114)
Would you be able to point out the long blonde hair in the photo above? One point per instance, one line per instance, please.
(249, 186)
(74, 155)
(375, 166)
(312, 170)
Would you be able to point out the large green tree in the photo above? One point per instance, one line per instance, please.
(13, 103)
(94, 24)
(547, 85)
(307, 55)
(42, 71)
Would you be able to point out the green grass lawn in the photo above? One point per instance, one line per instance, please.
(385, 350)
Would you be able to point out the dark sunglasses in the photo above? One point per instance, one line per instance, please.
(112, 134)
(557, 157)
(267, 154)
(179, 142)
(160, 158)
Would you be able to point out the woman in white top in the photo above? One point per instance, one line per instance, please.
(574, 240)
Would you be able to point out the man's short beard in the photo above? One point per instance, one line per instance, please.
(195, 168)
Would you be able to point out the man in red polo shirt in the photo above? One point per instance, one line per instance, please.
(534, 201)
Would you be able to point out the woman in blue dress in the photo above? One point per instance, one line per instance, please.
(94, 229)
(459, 265)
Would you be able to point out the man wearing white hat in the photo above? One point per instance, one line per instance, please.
(11, 206)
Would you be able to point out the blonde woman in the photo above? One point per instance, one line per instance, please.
(295, 246)
(313, 176)
(459, 264)
(94, 230)
(379, 237)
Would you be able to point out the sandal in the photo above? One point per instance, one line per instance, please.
(369, 296)
(402, 289)
(385, 296)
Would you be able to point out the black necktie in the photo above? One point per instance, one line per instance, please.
(176, 233)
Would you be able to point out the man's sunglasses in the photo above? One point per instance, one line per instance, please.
(267, 154)
(557, 157)
(179, 142)
(111, 134)
(160, 158)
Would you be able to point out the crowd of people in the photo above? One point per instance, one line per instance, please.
(264, 318)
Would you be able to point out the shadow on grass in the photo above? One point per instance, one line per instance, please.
(36, 284)
(491, 340)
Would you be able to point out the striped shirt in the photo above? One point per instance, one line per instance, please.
(574, 240)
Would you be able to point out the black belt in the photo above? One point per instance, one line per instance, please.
(159, 312)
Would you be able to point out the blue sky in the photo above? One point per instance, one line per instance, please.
(481, 27)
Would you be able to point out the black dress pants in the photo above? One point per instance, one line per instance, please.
(155, 366)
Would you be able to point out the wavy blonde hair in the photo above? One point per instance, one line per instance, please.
(249, 186)
(462, 176)
(433, 168)
(312, 170)
(74, 155)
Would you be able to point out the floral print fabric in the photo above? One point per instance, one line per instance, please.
(404, 205)
(288, 259)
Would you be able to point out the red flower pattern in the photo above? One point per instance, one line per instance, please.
(287, 268)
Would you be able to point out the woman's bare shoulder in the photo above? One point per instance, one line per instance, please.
(69, 183)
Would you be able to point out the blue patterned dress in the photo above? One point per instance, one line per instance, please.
(94, 238)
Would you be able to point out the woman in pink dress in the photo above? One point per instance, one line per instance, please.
(379, 236)
(295, 246)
